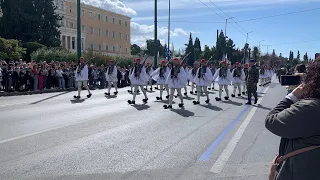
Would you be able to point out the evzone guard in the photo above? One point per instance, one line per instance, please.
(82, 78)
(238, 79)
(263, 76)
(223, 78)
(192, 76)
(176, 80)
(111, 77)
(203, 80)
(149, 71)
(160, 76)
(139, 78)
(245, 70)
(130, 72)
(213, 71)
(157, 86)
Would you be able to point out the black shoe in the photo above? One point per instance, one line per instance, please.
(115, 93)
(226, 98)
(218, 99)
(138, 91)
(239, 95)
(232, 95)
(191, 92)
(255, 100)
(260, 85)
(145, 100)
(207, 101)
(129, 102)
(181, 105)
(196, 91)
(167, 96)
(89, 95)
(156, 88)
(176, 96)
(158, 98)
(196, 102)
(248, 103)
(150, 89)
(243, 93)
(129, 91)
(107, 94)
(185, 93)
(209, 88)
(145, 89)
(76, 97)
(167, 106)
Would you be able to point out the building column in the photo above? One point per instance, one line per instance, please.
(66, 42)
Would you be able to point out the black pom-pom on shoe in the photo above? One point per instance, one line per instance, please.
(218, 99)
(207, 101)
(107, 94)
(191, 92)
(167, 96)
(226, 98)
(239, 95)
(181, 105)
(115, 93)
(89, 95)
(76, 97)
(196, 102)
(232, 95)
(185, 93)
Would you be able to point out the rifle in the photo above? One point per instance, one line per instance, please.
(79, 68)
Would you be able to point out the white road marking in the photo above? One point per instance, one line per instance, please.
(227, 152)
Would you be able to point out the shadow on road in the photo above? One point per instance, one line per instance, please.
(211, 107)
(262, 107)
(232, 103)
(141, 107)
(111, 97)
(77, 101)
(183, 112)
(49, 98)
(188, 98)
(164, 101)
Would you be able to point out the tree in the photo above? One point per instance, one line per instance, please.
(30, 21)
(10, 50)
(291, 56)
(150, 48)
(298, 55)
(135, 49)
(197, 48)
(230, 50)
(190, 49)
(280, 55)
(220, 46)
(305, 58)
(255, 53)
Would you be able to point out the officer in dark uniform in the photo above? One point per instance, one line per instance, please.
(252, 81)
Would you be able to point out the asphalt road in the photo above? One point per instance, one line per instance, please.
(50, 136)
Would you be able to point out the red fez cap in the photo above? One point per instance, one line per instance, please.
(138, 59)
(176, 59)
(81, 58)
(237, 63)
(163, 61)
(203, 61)
(246, 65)
(195, 63)
(110, 60)
(223, 62)
(148, 63)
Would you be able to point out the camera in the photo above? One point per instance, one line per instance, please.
(290, 80)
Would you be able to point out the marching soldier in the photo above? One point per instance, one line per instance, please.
(252, 81)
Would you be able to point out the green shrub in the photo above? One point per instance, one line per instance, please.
(10, 49)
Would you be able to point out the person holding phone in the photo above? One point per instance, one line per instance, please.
(300, 71)
(296, 120)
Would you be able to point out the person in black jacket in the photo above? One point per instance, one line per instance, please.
(296, 120)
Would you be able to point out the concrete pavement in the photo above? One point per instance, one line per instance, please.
(51, 136)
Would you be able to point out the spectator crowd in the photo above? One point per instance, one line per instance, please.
(19, 76)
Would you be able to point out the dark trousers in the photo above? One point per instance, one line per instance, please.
(252, 90)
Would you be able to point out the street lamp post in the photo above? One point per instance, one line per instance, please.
(225, 29)
(246, 60)
(169, 29)
(260, 52)
(78, 30)
(155, 34)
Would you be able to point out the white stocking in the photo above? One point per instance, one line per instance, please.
(227, 90)
(180, 95)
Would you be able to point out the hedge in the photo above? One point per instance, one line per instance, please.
(10, 49)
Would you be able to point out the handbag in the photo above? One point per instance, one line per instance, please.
(279, 159)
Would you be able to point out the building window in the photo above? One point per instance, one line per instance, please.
(113, 48)
(125, 24)
(114, 34)
(107, 48)
(120, 22)
(99, 32)
(71, 25)
(70, 9)
(126, 50)
(107, 33)
(99, 17)
(99, 47)
(83, 28)
(91, 15)
(126, 36)
(82, 44)
(82, 12)
(120, 35)
(91, 30)
(73, 43)
(92, 46)
(106, 18)
(120, 49)
(113, 20)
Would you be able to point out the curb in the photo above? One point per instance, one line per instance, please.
(5, 94)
